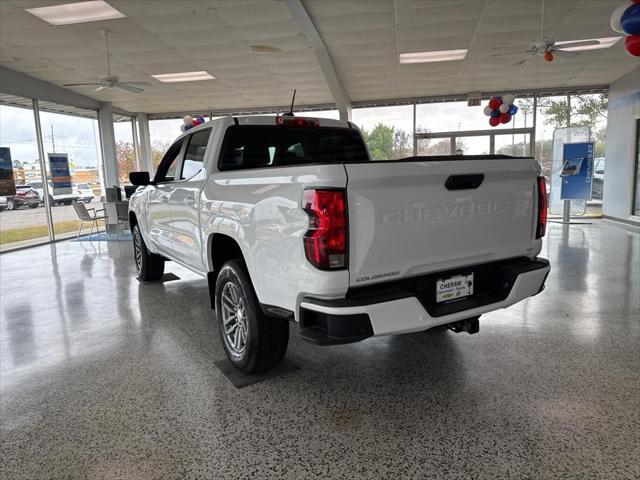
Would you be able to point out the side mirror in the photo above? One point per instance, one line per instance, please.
(139, 178)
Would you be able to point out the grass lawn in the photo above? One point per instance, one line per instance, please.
(27, 233)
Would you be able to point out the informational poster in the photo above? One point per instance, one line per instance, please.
(7, 183)
(577, 171)
(60, 174)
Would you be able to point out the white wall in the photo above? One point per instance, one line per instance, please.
(623, 112)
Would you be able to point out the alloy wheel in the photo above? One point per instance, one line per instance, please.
(234, 319)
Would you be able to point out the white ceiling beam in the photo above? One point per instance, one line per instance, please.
(302, 18)
(23, 85)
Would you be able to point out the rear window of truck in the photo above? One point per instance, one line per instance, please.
(258, 146)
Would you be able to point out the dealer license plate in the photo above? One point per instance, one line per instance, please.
(453, 288)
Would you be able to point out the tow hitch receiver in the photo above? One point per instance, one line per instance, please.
(469, 325)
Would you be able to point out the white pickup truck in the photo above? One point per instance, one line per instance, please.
(289, 220)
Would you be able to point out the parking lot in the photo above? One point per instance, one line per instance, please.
(31, 217)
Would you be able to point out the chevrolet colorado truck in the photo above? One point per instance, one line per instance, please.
(290, 221)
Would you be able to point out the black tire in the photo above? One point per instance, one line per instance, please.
(150, 266)
(265, 338)
(33, 205)
(11, 205)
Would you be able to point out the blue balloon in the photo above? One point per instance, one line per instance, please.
(630, 20)
(200, 118)
(495, 113)
(512, 110)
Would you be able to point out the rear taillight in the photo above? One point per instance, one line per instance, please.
(325, 243)
(542, 208)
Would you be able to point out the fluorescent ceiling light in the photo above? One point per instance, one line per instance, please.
(80, 12)
(437, 56)
(603, 43)
(183, 77)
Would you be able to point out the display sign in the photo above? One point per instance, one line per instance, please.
(577, 171)
(7, 183)
(60, 175)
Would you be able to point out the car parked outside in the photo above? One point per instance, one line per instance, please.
(598, 178)
(3, 203)
(26, 196)
(84, 192)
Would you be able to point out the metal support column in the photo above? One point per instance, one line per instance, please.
(415, 141)
(108, 145)
(566, 206)
(145, 143)
(43, 169)
(136, 152)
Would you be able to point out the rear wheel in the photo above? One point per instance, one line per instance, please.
(252, 341)
(33, 205)
(149, 266)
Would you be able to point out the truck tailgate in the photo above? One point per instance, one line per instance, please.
(405, 221)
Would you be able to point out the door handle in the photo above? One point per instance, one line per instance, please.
(164, 199)
(189, 201)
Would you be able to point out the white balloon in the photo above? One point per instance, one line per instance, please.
(504, 108)
(616, 15)
(188, 120)
(508, 99)
(487, 111)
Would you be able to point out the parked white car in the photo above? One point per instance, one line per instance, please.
(289, 220)
(55, 199)
(84, 192)
(3, 203)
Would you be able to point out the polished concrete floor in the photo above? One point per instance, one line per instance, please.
(103, 377)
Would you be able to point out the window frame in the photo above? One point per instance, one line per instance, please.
(636, 170)
(184, 154)
(164, 165)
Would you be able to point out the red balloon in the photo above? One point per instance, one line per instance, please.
(548, 56)
(494, 121)
(505, 118)
(494, 103)
(632, 45)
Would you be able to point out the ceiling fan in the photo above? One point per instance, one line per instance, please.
(548, 48)
(110, 81)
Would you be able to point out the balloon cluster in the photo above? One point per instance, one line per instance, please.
(500, 109)
(626, 19)
(190, 122)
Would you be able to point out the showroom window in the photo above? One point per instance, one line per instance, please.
(71, 142)
(23, 218)
(162, 133)
(388, 131)
(126, 154)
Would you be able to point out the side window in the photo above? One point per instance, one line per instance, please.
(167, 169)
(194, 155)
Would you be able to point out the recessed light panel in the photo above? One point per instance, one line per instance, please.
(436, 56)
(80, 12)
(183, 77)
(605, 42)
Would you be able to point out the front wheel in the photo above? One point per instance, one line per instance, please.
(150, 267)
(252, 341)
(11, 205)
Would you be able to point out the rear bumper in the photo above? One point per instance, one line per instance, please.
(409, 306)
